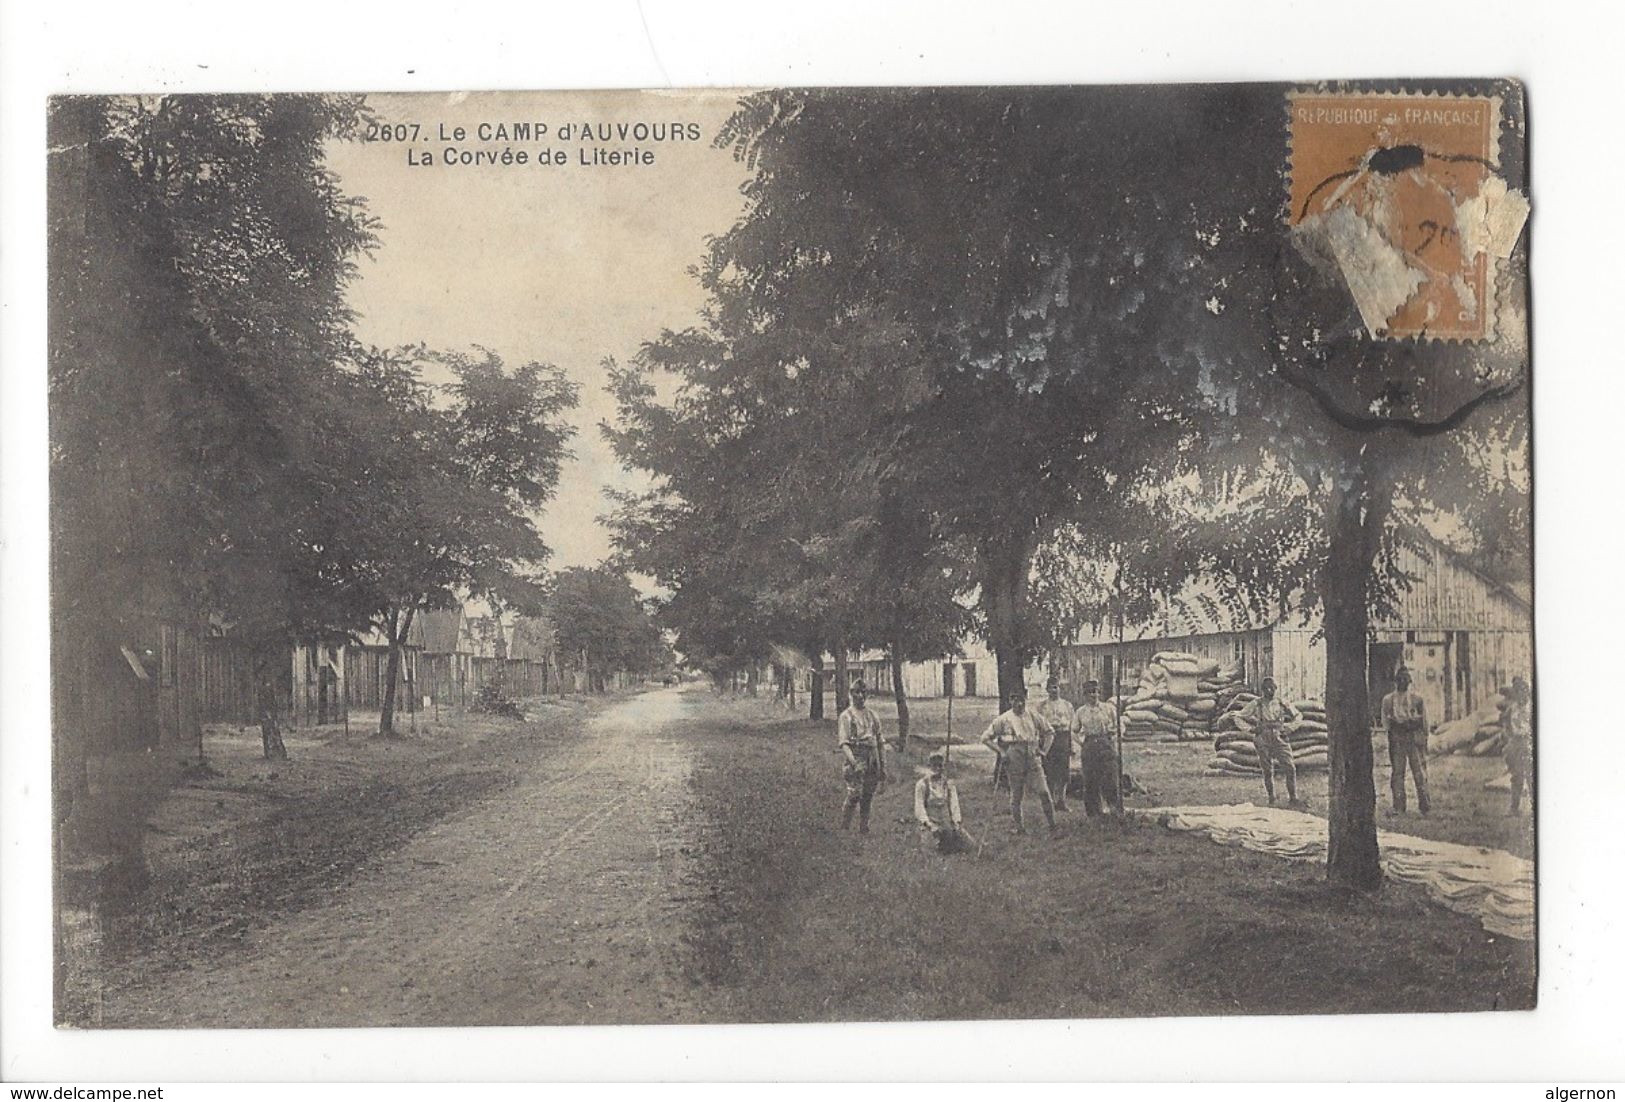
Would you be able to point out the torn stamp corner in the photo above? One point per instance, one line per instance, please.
(1403, 193)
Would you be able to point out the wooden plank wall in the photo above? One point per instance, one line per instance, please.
(1435, 660)
(228, 683)
(305, 699)
(364, 672)
(923, 680)
(446, 679)
(1297, 661)
(1447, 596)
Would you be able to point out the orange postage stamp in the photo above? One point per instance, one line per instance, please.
(1403, 191)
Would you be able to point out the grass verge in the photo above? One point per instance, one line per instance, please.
(809, 923)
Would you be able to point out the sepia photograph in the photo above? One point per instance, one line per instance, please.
(790, 555)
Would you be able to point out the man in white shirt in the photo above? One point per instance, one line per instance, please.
(1057, 712)
(937, 791)
(1271, 720)
(1020, 738)
(1094, 729)
(857, 736)
(1405, 718)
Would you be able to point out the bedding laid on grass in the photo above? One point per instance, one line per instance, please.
(1492, 885)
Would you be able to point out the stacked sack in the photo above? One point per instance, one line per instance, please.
(1311, 743)
(1224, 686)
(1176, 700)
(1234, 752)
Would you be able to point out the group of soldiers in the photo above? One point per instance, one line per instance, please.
(1035, 748)
(1404, 717)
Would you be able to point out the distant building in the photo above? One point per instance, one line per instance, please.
(366, 668)
(973, 671)
(532, 668)
(1462, 635)
(486, 642)
(446, 664)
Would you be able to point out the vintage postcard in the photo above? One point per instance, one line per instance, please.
(787, 555)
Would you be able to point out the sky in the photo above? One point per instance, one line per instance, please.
(563, 265)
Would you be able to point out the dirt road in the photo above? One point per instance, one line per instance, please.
(560, 899)
(677, 857)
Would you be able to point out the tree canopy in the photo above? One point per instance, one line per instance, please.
(1049, 313)
(601, 618)
(222, 447)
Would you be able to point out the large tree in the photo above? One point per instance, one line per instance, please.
(1037, 252)
(692, 530)
(780, 513)
(199, 254)
(455, 473)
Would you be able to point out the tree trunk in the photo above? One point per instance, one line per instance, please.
(901, 694)
(843, 690)
(1005, 571)
(271, 744)
(399, 627)
(815, 698)
(1355, 519)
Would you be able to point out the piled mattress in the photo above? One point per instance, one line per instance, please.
(1177, 698)
(1480, 734)
(1488, 739)
(1468, 734)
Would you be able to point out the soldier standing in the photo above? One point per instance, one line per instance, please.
(1270, 719)
(1093, 726)
(1405, 717)
(1057, 712)
(1020, 738)
(1517, 726)
(857, 735)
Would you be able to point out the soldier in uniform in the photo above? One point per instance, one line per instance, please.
(1020, 738)
(1094, 727)
(947, 834)
(1057, 712)
(1405, 718)
(857, 735)
(1517, 727)
(1270, 719)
